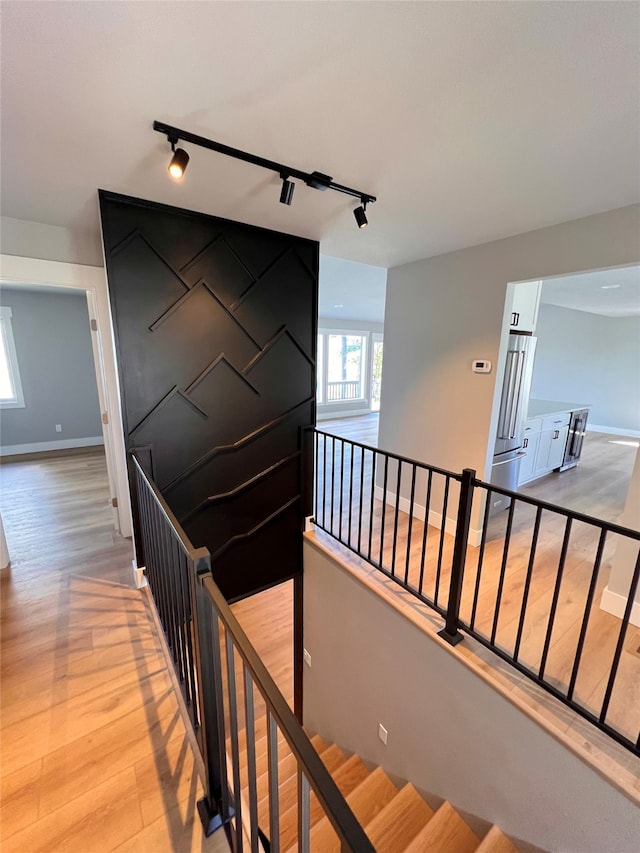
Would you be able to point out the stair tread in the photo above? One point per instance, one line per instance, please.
(366, 800)
(347, 777)
(446, 832)
(287, 763)
(399, 821)
(332, 757)
(495, 841)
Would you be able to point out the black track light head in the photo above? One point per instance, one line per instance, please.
(360, 215)
(178, 163)
(286, 193)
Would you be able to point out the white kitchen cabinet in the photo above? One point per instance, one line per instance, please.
(558, 444)
(544, 442)
(526, 301)
(550, 450)
(528, 462)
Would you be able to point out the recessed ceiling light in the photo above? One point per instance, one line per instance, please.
(609, 286)
(338, 306)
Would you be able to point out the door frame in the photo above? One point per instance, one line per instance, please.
(374, 338)
(21, 271)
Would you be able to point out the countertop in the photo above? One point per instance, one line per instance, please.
(540, 408)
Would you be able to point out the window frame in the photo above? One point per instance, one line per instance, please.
(325, 332)
(17, 401)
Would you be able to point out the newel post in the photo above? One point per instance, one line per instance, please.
(213, 808)
(450, 632)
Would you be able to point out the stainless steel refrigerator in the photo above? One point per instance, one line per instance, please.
(514, 400)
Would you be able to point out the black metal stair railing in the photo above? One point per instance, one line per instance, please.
(523, 582)
(205, 641)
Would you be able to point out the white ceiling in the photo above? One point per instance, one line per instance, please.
(351, 291)
(612, 293)
(469, 121)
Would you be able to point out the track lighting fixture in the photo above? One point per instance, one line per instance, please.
(316, 180)
(360, 214)
(179, 161)
(286, 193)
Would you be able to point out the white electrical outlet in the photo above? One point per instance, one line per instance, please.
(58, 427)
(382, 734)
(307, 658)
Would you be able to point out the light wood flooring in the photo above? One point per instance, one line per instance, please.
(94, 751)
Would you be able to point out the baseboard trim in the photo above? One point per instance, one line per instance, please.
(614, 603)
(630, 433)
(45, 446)
(346, 413)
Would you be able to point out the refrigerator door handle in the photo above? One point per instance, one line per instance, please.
(516, 400)
(506, 461)
(506, 387)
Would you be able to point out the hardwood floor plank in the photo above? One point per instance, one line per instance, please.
(85, 689)
(97, 821)
(177, 831)
(19, 799)
(74, 769)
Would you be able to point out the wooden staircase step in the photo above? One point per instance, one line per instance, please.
(261, 753)
(262, 757)
(332, 757)
(347, 777)
(287, 769)
(318, 744)
(446, 832)
(495, 841)
(366, 800)
(399, 821)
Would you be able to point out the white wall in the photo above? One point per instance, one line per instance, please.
(450, 733)
(443, 312)
(49, 242)
(588, 358)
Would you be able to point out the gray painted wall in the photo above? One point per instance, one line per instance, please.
(592, 359)
(55, 358)
(443, 312)
(450, 733)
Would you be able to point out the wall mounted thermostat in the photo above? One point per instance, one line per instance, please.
(479, 365)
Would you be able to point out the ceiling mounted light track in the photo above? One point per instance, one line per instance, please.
(316, 180)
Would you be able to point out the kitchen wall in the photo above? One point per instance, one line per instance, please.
(55, 359)
(588, 358)
(445, 311)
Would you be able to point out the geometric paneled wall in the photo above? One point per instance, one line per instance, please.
(216, 329)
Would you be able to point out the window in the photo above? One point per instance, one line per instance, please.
(10, 385)
(345, 361)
